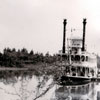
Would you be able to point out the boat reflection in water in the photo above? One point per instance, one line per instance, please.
(80, 92)
(24, 85)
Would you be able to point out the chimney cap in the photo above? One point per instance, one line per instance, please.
(65, 21)
(84, 20)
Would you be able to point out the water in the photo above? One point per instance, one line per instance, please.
(25, 85)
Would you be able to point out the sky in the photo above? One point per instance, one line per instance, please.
(38, 24)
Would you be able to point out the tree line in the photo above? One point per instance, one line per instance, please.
(18, 58)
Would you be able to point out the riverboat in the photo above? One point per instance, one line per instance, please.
(77, 64)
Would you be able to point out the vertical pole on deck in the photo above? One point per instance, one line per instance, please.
(64, 36)
(84, 28)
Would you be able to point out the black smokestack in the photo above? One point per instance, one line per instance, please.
(64, 36)
(84, 28)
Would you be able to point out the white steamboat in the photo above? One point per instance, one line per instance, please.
(77, 62)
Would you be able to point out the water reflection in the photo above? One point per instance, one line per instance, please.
(25, 85)
(79, 92)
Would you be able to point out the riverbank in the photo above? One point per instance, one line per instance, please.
(38, 69)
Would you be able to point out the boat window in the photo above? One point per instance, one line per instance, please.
(68, 57)
(64, 57)
(82, 58)
(73, 69)
(67, 69)
(86, 58)
(72, 57)
(77, 58)
(75, 50)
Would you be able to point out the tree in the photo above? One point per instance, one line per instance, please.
(24, 51)
(31, 52)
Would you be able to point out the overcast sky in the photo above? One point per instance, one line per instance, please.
(38, 24)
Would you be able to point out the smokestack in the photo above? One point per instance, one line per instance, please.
(64, 36)
(84, 28)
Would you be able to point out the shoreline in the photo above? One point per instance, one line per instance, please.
(11, 69)
(38, 67)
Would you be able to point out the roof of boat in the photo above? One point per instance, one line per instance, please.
(76, 38)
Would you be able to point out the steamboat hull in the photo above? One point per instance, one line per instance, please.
(70, 80)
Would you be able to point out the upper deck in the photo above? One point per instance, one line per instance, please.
(75, 56)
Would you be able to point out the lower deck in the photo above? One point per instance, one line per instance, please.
(79, 72)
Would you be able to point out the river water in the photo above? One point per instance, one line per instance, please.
(25, 85)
